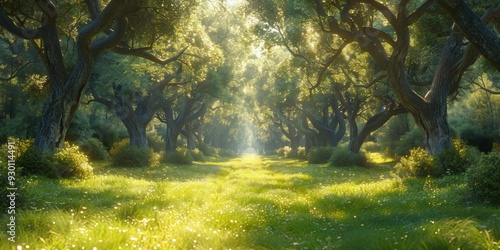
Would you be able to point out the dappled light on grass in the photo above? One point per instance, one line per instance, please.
(254, 202)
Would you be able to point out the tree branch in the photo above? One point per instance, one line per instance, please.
(10, 26)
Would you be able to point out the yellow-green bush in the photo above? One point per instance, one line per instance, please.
(418, 164)
(124, 155)
(70, 162)
(484, 178)
(66, 162)
(181, 156)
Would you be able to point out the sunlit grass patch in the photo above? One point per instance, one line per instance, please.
(253, 202)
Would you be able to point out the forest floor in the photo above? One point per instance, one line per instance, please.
(252, 202)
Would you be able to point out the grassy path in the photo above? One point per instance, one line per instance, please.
(253, 202)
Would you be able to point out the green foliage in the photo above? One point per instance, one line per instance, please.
(284, 151)
(124, 155)
(343, 157)
(12, 171)
(35, 162)
(226, 153)
(108, 133)
(371, 146)
(94, 149)
(456, 159)
(484, 178)
(70, 162)
(208, 150)
(479, 138)
(181, 156)
(254, 202)
(418, 164)
(67, 162)
(320, 155)
(412, 139)
(155, 142)
(287, 152)
(79, 129)
(198, 155)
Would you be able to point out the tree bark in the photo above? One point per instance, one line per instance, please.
(373, 124)
(474, 29)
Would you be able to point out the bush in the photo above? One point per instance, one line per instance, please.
(412, 139)
(457, 159)
(284, 151)
(155, 142)
(343, 157)
(70, 162)
(226, 153)
(4, 173)
(181, 156)
(94, 149)
(66, 162)
(454, 160)
(197, 155)
(124, 155)
(496, 147)
(320, 155)
(208, 150)
(484, 178)
(483, 140)
(418, 164)
(35, 162)
(371, 146)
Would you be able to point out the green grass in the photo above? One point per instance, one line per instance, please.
(253, 202)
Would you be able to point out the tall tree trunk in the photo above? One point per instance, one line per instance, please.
(136, 133)
(171, 140)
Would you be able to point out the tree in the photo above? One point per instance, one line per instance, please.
(136, 110)
(68, 79)
(389, 45)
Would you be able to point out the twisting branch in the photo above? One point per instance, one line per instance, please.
(327, 64)
(368, 85)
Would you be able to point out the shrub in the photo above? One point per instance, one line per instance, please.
(124, 155)
(70, 162)
(457, 159)
(197, 155)
(301, 153)
(343, 157)
(483, 140)
(226, 153)
(496, 147)
(418, 164)
(66, 162)
(35, 162)
(155, 142)
(484, 178)
(181, 156)
(208, 150)
(284, 151)
(371, 146)
(4, 173)
(320, 155)
(94, 149)
(412, 139)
